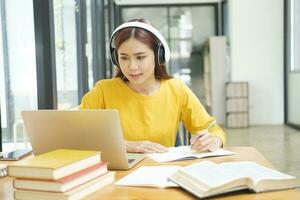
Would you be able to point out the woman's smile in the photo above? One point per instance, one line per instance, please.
(136, 75)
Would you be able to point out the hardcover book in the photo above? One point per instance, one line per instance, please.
(64, 184)
(205, 179)
(55, 164)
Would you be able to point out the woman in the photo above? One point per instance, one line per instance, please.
(151, 103)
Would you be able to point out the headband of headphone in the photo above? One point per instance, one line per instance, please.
(112, 47)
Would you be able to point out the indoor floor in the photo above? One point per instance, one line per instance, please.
(279, 144)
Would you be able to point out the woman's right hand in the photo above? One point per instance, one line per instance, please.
(145, 147)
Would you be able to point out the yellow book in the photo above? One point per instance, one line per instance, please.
(55, 164)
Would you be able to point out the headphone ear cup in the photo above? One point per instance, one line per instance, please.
(114, 57)
(160, 54)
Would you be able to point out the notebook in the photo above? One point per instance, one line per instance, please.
(185, 153)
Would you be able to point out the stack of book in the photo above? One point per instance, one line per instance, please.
(60, 174)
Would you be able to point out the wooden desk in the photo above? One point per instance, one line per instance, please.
(117, 192)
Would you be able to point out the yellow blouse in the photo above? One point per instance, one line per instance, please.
(156, 117)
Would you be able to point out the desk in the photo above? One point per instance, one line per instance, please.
(117, 192)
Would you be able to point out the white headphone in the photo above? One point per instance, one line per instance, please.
(163, 50)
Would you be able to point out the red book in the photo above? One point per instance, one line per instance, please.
(63, 184)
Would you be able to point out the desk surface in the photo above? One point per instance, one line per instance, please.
(118, 192)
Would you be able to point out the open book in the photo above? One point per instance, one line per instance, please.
(150, 176)
(206, 178)
(184, 153)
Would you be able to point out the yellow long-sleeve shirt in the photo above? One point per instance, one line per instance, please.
(156, 117)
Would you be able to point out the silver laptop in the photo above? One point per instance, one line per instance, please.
(80, 129)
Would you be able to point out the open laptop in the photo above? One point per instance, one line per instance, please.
(80, 129)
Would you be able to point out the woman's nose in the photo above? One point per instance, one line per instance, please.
(133, 64)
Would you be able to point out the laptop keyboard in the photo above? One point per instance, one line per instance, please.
(130, 160)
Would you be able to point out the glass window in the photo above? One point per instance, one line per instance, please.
(109, 67)
(190, 28)
(293, 63)
(66, 54)
(89, 51)
(18, 89)
(294, 27)
(157, 17)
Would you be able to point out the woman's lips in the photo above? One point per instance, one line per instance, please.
(135, 75)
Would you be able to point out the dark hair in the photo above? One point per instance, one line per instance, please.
(145, 37)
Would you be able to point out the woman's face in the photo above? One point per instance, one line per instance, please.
(136, 62)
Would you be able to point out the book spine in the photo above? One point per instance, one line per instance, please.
(64, 185)
(86, 182)
(80, 173)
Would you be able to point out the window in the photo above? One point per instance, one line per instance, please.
(66, 54)
(18, 66)
(294, 35)
(18, 90)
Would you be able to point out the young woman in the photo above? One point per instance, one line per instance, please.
(151, 103)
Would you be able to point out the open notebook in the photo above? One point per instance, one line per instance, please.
(185, 153)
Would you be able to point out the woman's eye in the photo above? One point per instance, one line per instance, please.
(141, 57)
(123, 58)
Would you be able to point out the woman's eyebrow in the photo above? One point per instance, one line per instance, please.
(138, 53)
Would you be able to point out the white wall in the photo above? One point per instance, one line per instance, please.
(256, 46)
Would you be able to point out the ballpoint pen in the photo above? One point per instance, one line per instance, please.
(211, 125)
(207, 129)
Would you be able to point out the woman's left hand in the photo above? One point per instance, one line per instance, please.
(204, 141)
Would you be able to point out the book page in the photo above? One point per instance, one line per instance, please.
(185, 152)
(255, 171)
(150, 176)
(211, 174)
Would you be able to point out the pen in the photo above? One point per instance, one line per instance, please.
(207, 129)
(211, 125)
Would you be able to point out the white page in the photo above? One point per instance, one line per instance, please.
(255, 171)
(185, 152)
(150, 176)
(211, 174)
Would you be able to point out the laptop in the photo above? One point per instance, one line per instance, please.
(98, 130)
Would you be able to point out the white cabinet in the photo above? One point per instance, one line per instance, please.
(237, 106)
